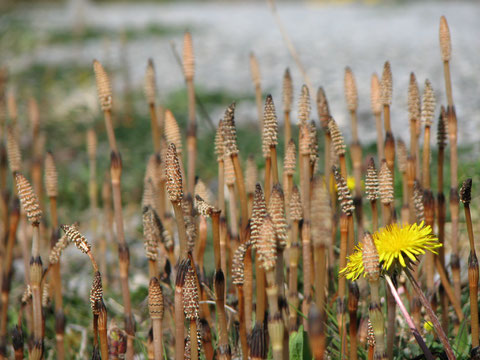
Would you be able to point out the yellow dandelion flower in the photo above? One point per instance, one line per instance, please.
(395, 245)
(354, 267)
(350, 184)
(428, 326)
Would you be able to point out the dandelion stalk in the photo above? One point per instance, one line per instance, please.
(431, 314)
(466, 197)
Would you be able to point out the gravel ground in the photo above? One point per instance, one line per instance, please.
(328, 38)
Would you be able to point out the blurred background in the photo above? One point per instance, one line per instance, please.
(47, 48)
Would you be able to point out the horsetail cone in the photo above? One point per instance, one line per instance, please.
(203, 191)
(370, 257)
(344, 195)
(190, 295)
(28, 199)
(372, 186)
(445, 42)
(150, 83)
(313, 141)
(155, 299)
(104, 89)
(385, 180)
(172, 131)
(428, 104)
(152, 232)
(296, 208)
(259, 211)
(188, 57)
(219, 149)
(229, 131)
(375, 95)
(323, 109)
(442, 129)
(304, 105)
(337, 137)
(174, 174)
(202, 207)
(149, 196)
(290, 160)
(266, 245)
(276, 209)
(351, 94)
(238, 265)
(14, 155)
(77, 238)
(96, 292)
(413, 99)
(386, 84)
(304, 140)
(270, 127)
(287, 87)
(51, 177)
(466, 192)
(57, 249)
(321, 229)
(418, 202)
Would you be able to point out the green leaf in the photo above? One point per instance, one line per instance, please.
(298, 345)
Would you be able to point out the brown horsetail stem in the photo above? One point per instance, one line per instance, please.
(287, 94)
(466, 198)
(51, 188)
(189, 72)
(151, 94)
(296, 215)
(376, 105)
(255, 72)
(31, 206)
(123, 251)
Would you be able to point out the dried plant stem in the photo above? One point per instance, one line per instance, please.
(289, 43)
(191, 137)
(35, 285)
(182, 233)
(373, 204)
(472, 278)
(449, 290)
(225, 239)
(102, 331)
(386, 118)
(426, 159)
(441, 215)
(356, 153)
(320, 254)
(259, 103)
(179, 324)
(242, 321)
(57, 281)
(273, 155)
(376, 319)
(293, 275)
(7, 273)
(221, 185)
(353, 295)
(287, 126)
(380, 145)
(261, 299)
(341, 306)
(124, 260)
(202, 241)
(193, 342)
(275, 318)
(222, 316)
(306, 240)
(409, 320)
(248, 289)
(232, 208)
(155, 127)
(431, 314)
(110, 133)
(268, 178)
(242, 194)
(448, 83)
